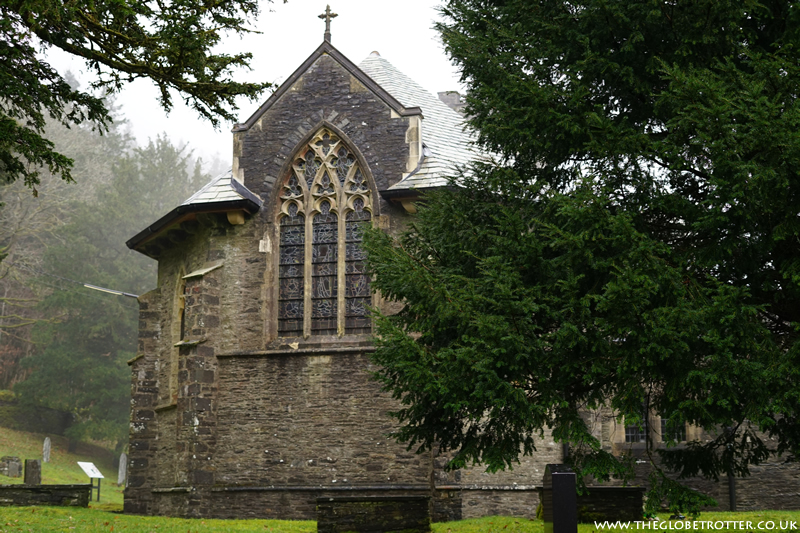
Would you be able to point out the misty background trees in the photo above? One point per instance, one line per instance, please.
(62, 345)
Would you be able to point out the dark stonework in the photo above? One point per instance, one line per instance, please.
(611, 503)
(63, 495)
(409, 514)
(33, 472)
(10, 466)
(447, 505)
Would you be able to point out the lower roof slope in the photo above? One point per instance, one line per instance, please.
(445, 134)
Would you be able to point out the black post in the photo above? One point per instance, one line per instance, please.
(559, 500)
(91, 480)
(732, 491)
(729, 431)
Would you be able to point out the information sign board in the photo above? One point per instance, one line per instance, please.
(90, 470)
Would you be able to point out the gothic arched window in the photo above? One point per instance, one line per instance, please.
(325, 201)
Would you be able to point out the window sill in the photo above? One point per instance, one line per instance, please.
(313, 346)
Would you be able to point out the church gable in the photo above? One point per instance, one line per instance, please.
(326, 89)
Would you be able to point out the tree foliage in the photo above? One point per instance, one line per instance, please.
(171, 43)
(28, 226)
(634, 245)
(81, 349)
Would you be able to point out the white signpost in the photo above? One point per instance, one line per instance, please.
(93, 473)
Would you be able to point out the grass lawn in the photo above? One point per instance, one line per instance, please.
(63, 467)
(105, 517)
(35, 519)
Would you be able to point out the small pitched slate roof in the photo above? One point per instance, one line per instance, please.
(448, 139)
(220, 195)
(223, 188)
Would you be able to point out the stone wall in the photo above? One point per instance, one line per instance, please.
(314, 419)
(63, 495)
(143, 443)
(325, 95)
(479, 502)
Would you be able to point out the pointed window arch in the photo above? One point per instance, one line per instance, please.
(325, 201)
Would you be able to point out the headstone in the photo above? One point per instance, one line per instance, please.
(11, 466)
(123, 469)
(46, 450)
(559, 500)
(33, 472)
(360, 514)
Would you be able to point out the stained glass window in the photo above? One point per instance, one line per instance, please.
(290, 273)
(324, 280)
(326, 204)
(310, 166)
(357, 291)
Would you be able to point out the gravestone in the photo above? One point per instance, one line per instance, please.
(122, 474)
(33, 472)
(406, 514)
(11, 466)
(46, 450)
(559, 500)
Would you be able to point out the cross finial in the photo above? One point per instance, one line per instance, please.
(328, 16)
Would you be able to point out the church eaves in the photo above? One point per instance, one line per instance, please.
(221, 195)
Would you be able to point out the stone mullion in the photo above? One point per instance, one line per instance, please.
(307, 263)
(340, 257)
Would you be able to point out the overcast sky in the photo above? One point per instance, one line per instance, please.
(402, 32)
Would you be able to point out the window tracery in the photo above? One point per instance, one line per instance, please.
(325, 202)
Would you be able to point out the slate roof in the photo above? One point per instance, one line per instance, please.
(221, 194)
(223, 188)
(444, 132)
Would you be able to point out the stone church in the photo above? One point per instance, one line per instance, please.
(251, 388)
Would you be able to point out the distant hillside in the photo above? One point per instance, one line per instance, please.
(63, 467)
(32, 419)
